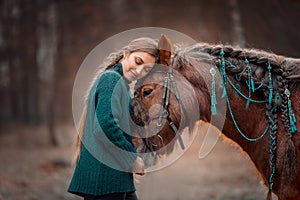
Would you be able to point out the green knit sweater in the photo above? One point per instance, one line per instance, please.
(107, 152)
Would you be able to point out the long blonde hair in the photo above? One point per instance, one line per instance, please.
(143, 44)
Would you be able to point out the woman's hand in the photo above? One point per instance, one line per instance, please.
(138, 166)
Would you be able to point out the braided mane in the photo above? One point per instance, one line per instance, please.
(287, 68)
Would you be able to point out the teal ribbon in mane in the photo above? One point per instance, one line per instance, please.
(292, 116)
(249, 82)
(223, 73)
(270, 86)
(213, 93)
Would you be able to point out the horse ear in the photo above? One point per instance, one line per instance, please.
(164, 50)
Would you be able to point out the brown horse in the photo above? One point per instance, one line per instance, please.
(261, 96)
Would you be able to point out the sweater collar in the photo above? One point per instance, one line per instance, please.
(118, 68)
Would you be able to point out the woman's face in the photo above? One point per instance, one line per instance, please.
(136, 65)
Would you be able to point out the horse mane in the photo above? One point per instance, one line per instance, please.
(287, 68)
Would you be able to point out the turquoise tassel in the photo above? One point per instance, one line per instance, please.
(271, 96)
(223, 73)
(213, 92)
(292, 116)
(213, 110)
(294, 119)
(249, 82)
(293, 126)
(270, 85)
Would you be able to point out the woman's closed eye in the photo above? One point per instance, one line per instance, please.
(138, 61)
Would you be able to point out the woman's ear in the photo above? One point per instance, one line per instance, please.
(125, 54)
(164, 50)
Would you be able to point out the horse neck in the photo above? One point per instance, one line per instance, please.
(197, 78)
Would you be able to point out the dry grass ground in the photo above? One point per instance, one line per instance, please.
(31, 169)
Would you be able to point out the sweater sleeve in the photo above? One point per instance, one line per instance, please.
(109, 112)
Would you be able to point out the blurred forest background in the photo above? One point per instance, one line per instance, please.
(43, 43)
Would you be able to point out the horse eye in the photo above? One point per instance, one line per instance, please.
(147, 92)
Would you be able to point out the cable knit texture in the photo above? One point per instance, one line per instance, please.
(107, 152)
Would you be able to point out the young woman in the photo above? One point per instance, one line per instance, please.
(105, 156)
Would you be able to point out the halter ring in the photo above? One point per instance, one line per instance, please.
(161, 139)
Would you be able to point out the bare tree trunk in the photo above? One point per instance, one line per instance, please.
(53, 16)
(51, 122)
(11, 11)
(27, 49)
(47, 55)
(4, 75)
(31, 108)
(33, 79)
(238, 37)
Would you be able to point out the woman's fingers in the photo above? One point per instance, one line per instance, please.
(138, 166)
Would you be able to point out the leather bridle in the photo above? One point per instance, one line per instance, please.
(164, 114)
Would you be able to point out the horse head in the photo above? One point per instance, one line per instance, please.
(165, 102)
